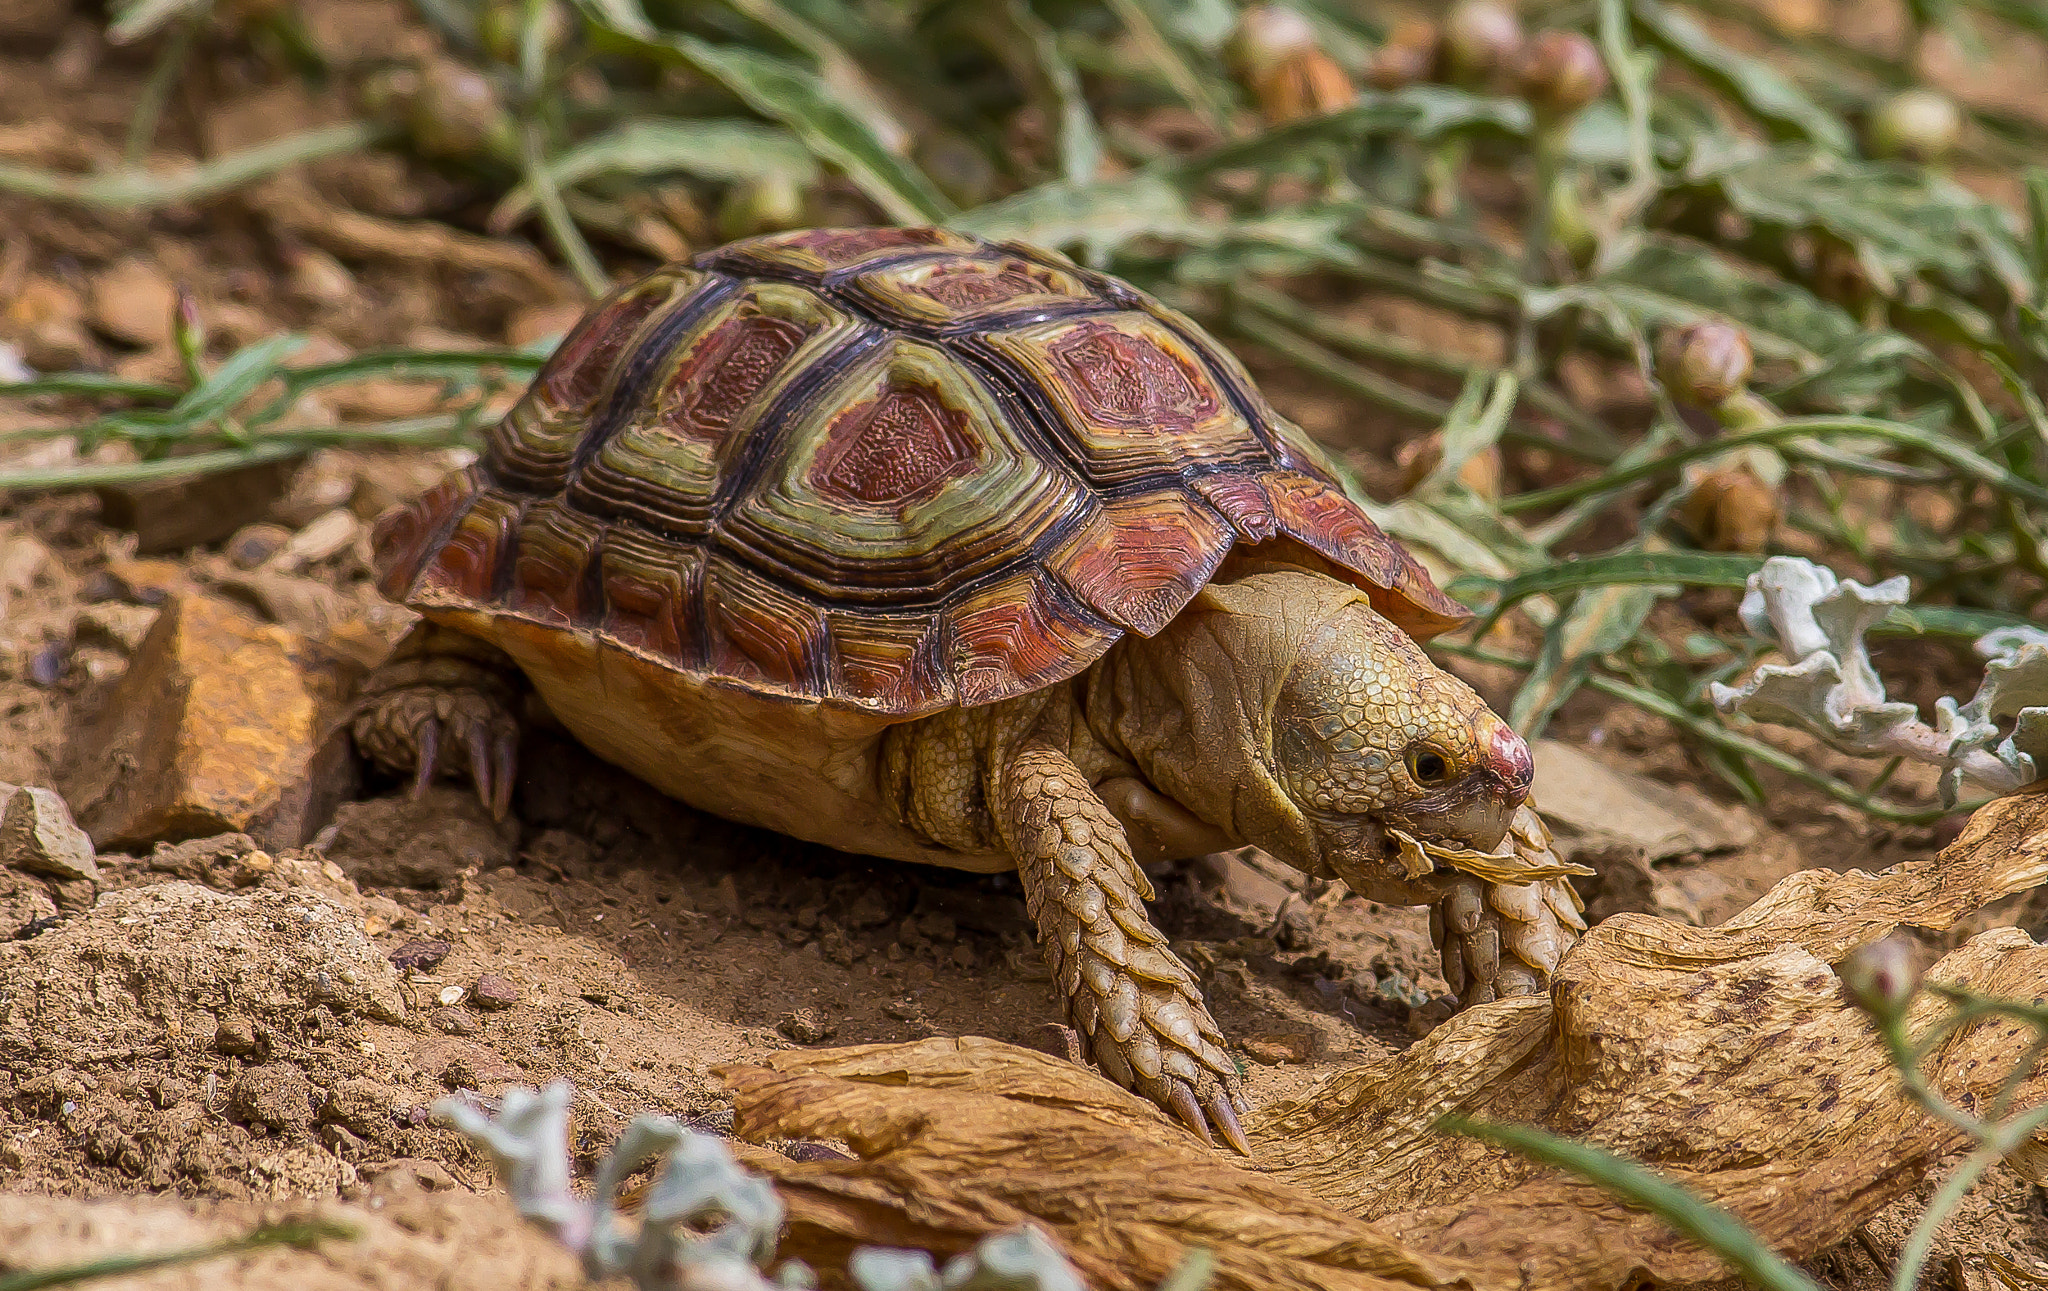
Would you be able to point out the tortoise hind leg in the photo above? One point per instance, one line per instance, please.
(1500, 939)
(1138, 1009)
(444, 704)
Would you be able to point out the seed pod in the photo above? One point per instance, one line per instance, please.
(1482, 40)
(1267, 35)
(1730, 509)
(1409, 56)
(1705, 364)
(1304, 85)
(456, 114)
(1916, 125)
(1882, 978)
(1561, 72)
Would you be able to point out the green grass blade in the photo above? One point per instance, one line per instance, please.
(1598, 622)
(303, 1234)
(92, 384)
(1709, 1225)
(236, 379)
(791, 94)
(1155, 43)
(1685, 568)
(1761, 89)
(134, 189)
(1080, 143)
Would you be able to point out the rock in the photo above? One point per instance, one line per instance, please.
(1591, 804)
(427, 843)
(452, 1022)
(328, 534)
(492, 993)
(276, 1096)
(220, 724)
(319, 278)
(1276, 1048)
(360, 1105)
(38, 835)
(806, 1026)
(176, 514)
(47, 320)
(132, 301)
(25, 906)
(23, 563)
(114, 626)
(234, 1035)
(416, 956)
(252, 544)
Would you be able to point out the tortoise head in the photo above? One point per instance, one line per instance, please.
(1368, 733)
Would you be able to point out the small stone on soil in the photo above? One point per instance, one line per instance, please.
(276, 1096)
(38, 836)
(234, 1035)
(452, 1022)
(493, 992)
(1277, 1048)
(806, 1026)
(416, 956)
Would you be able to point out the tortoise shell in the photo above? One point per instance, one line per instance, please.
(896, 469)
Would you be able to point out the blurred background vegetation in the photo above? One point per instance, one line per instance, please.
(1603, 301)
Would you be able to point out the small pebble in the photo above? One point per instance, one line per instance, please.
(453, 995)
(806, 1026)
(234, 1035)
(453, 1022)
(1280, 1047)
(493, 992)
(417, 956)
(46, 669)
(38, 835)
(252, 544)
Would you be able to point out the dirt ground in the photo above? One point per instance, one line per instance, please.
(215, 1034)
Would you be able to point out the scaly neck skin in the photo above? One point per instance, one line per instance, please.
(1280, 708)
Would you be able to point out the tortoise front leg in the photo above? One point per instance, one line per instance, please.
(1498, 939)
(1137, 1007)
(443, 704)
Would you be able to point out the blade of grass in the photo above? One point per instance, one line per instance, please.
(134, 189)
(1080, 143)
(789, 93)
(1709, 1225)
(1148, 33)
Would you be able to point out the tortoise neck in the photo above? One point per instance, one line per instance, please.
(1192, 707)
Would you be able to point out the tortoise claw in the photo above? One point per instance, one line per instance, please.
(1225, 1120)
(1182, 1100)
(504, 766)
(478, 741)
(426, 756)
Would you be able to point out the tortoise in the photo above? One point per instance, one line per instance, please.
(925, 547)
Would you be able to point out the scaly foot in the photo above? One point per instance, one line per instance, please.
(1498, 939)
(443, 705)
(1137, 1008)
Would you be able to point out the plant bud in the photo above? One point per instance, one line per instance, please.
(501, 25)
(1916, 125)
(1482, 39)
(1731, 510)
(456, 114)
(1307, 84)
(1881, 978)
(1704, 364)
(1561, 73)
(1266, 36)
(1409, 56)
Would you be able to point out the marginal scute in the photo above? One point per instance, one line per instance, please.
(764, 634)
(1020, 634)
(465, 569)
(892, 469)
(406, 537)
(653, 592)
(1137, 560)
(555, 547)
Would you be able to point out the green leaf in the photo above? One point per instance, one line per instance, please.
(1152, 32)
(1661, 568)
(1673, 280)
(1710, 1226)
(236, 379)
(1598, 622)
(726, 150)
(140, 18)
(1080, 142)
(1761, 90)
(1421, 113)
(787, 92)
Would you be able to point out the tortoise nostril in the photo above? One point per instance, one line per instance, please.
(1507, 757)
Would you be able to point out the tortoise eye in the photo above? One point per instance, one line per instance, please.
(1428, 767)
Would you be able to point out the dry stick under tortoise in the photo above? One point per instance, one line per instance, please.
(954, 552)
